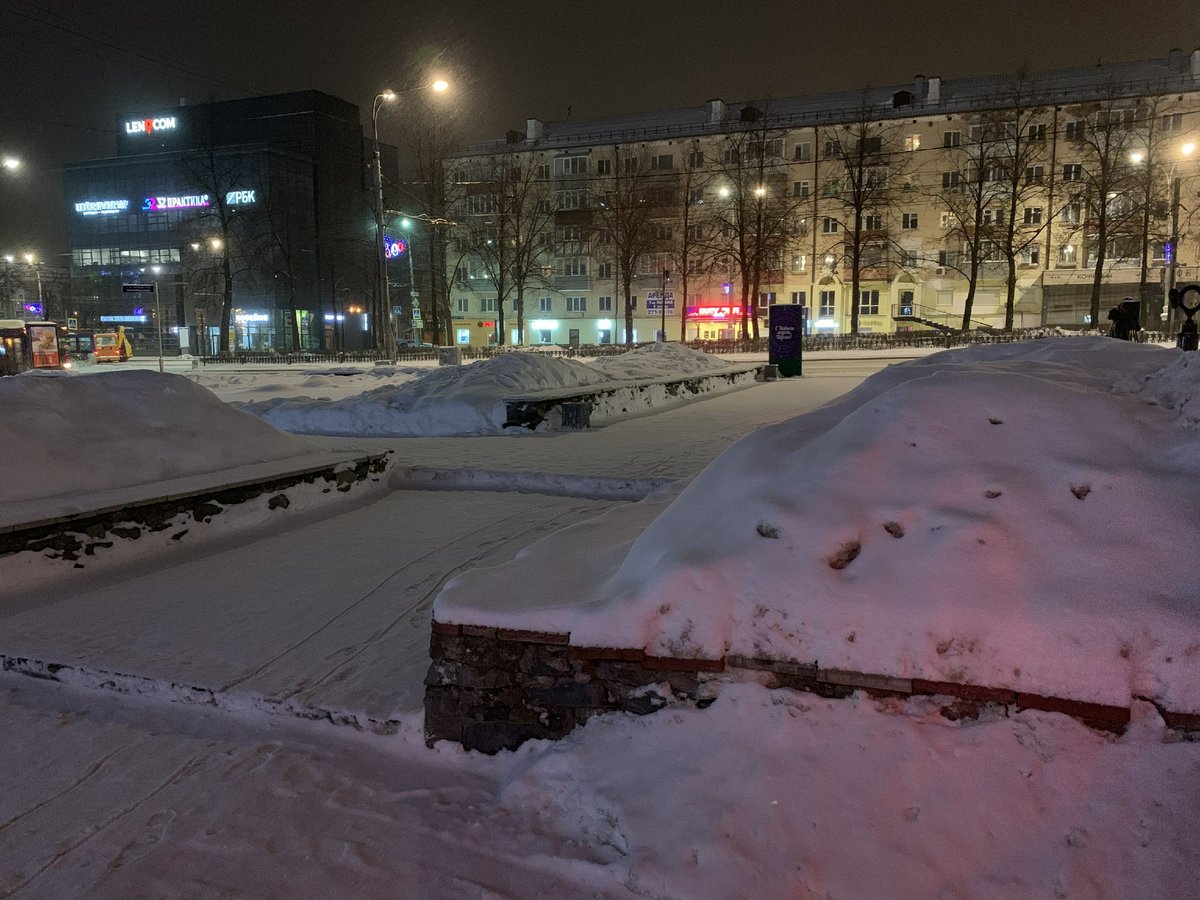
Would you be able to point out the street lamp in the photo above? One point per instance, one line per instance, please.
(33, 263)
(384, 321)
(1185, 151)
(11, 163)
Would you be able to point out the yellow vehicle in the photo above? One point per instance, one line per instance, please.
(112, 346)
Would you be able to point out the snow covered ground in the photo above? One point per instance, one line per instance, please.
(762, 794)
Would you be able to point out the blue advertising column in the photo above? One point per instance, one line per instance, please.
(785, 338)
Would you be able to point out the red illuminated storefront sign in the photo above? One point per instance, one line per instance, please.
(716, 313)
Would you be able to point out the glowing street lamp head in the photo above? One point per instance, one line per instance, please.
(440, 85)
(1137, 156)
(388, 95)
(29, 258)
(11, 163)
(406, 223)
(724, 191)
(760, 192)
(1188, 149)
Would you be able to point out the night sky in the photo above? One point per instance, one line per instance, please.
(67, 68)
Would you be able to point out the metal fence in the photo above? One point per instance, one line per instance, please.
(812, 344)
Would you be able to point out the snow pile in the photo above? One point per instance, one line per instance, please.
(314, 383)
(1177, 387)
(464, 400)
(74, 434)
(659, 361)
(993, 515)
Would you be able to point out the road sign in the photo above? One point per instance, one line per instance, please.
(137, 288)
(653, 297)
(72, 324)
(397, 310)
(416, 314)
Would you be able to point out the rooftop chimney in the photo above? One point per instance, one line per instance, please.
(919, 88)
(1176, 61)
(934, 90)
(716, 112)
(534, 129)
(1196, 63)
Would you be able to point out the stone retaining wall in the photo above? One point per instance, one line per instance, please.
(493, 689)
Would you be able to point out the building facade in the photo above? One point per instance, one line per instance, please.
(267, 199)
(1040, 199)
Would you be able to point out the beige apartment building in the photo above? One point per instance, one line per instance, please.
(937, 194)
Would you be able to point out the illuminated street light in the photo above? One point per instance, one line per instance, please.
(1136, 157)
(760, 192)
(723, 192)
(11, 163)
(216, 244)
(383, 318)
(1188, 149)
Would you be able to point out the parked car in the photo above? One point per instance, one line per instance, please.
(413, 345)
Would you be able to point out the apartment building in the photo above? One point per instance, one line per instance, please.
(1003, 201)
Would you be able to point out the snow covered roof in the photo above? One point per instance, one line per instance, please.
(1178, 72)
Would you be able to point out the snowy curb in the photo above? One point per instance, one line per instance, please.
(85, 531)
(96, 679)
(591, 487)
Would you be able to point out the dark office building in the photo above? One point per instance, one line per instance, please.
(273, 195)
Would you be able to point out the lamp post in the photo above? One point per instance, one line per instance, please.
(383, 321)
(662, 305)
(33, 264)
(439, 86)
(406, 224)
(1172, 264)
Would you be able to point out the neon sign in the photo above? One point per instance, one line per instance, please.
(34, 308)
(151, 125)
(713, 312)
(157, 204)
(197, 201)
(101, 207)
(393, 247)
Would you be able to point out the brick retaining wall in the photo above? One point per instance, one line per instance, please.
(493, 689)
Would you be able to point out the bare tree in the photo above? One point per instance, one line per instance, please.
(1152, 191)
(869, 161)
(694, 249)
(510, 213)
(759, 221)
(625, 197)
(1103, 134)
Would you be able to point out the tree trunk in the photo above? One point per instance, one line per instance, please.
(1098, 273)
(226, 301)
(969, 303)
(1010, 301)
(627, 286)
(520, 302)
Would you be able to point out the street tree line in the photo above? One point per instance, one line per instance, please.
(719, 207)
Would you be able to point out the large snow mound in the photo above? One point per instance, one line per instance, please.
(657, 361)
(470, 400)
(71, 434)
(994, 515)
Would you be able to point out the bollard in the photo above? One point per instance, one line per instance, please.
(1188, 338)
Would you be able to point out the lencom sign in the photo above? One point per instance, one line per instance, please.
(149, 126)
